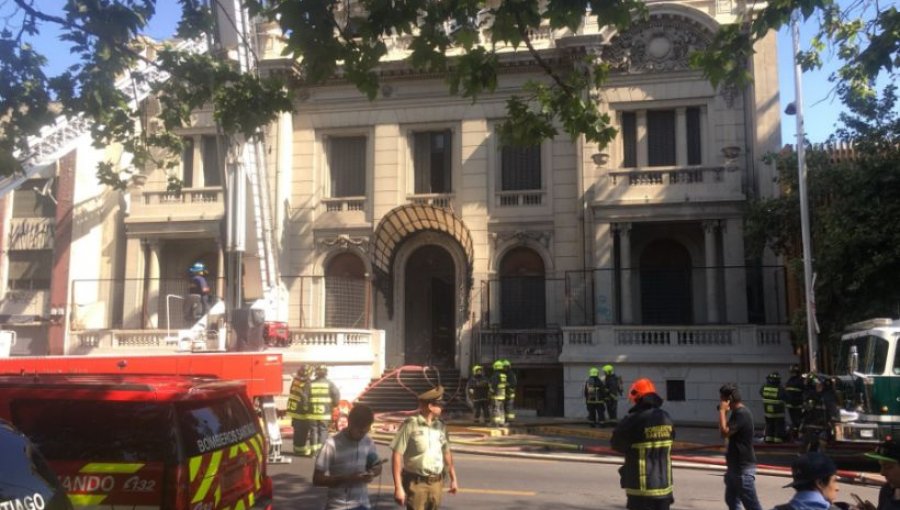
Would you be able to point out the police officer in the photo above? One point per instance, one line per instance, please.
(773, 408)
(478, 390)
(298, 410)
(614, 388)
(509, 405)
(323, 396)
(793, 399)
(645, 437)
(594, 396)
(498, 394)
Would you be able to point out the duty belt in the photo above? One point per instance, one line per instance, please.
(422, 478)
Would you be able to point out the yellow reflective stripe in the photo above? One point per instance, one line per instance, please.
(240, 505)
(649, 492)
(642, 471)
(233, 451)
(254, 442)
(110, 467)
(86, 499)
(652, 444)
(208, 477)
(217, 496)
(194, 466)
(251, 498)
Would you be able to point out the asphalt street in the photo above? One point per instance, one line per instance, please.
(504, 482)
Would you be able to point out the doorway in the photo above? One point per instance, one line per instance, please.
(430, 307)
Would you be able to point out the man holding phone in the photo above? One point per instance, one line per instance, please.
(347, 462)
(740, 459)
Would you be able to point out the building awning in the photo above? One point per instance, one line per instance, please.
(399, 224)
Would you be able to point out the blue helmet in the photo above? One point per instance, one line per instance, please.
(197, 268)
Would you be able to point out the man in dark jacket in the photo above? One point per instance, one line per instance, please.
(645, 437)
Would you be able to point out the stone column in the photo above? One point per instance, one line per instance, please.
(735, 271)
(641, 120)
(625, 270)
(132, 313)
(604, 273)
(681, 158)
(153, 283)
(220, 271)
(710, 229)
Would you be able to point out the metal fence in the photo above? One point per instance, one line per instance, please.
(698, 295)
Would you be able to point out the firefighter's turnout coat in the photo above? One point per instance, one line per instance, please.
(645, 437)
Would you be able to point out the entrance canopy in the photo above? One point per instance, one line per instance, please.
(404, 221)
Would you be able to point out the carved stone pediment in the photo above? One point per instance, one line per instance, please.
(542, 237)
(662, 43)
(343, 241)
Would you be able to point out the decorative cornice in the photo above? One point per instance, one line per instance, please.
(543, 237)
(344, 241)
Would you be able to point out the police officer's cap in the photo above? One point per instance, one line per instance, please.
(434, 395)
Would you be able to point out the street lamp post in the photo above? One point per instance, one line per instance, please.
(804, 202)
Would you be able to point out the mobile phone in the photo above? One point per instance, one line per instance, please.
(859, 501)
(378, 463)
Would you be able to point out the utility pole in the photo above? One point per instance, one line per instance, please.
(804, 202)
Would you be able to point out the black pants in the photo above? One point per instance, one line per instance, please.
(595, 412)
(482, 410)
(645, 503)
(301, 434)
(612, 410)
(774, 429)
(796, 414)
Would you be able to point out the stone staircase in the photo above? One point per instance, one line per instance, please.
(396, 390)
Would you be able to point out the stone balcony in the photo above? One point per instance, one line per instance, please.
(170, 211)
(670, 185)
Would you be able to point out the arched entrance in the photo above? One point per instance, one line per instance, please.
(665, 272)
(430, 307)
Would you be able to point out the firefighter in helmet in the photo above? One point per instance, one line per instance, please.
(498, 394)
(793, 399)
(478, 389)
(594, 396)
(511, 382)
(773, 407)
(298, 410)
(324, 396)
(199, 287)
(614, 389)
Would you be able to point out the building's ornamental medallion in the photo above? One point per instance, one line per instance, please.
(542, 237)
(662, 43)
(344, 241)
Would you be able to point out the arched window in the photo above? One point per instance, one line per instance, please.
(665, 272)
(522, 295)
(345, 292)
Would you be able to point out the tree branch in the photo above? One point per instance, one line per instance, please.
(537, 56)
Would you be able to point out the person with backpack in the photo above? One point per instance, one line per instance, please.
(594, 397)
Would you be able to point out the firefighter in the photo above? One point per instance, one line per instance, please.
(614, 389)
(298, 410)
(793, 399)
(819, 403)
(645, 437)
(773, 406)
(498, 394)
(199, 287)
(478, 389)
(511, 382)
(324, 396)
(594, 397)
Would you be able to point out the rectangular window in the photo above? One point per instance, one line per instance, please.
(211, 165)
(694, 145)
(675, 390)
(431, 161)
(520, 168)
(661, 138)
(32, 199)
(187, 162)
(629, 140)
(347, 166)
(30, 269)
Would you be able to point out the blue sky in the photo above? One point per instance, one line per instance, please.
(821, 108)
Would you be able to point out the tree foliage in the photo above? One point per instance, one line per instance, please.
(347, 38)
(854, 216)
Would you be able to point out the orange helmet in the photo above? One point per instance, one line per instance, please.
(640, 388)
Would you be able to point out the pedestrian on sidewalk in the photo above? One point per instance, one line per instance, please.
(815, 480)
(888, 456)
(736, 425)
(421, 456)
(348, 462)
(645, 437)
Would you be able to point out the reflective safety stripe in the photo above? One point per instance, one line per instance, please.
(649, 492)
(652, 444)
(86, 499)
(208, 477)
(110, 467)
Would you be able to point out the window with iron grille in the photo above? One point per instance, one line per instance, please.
(660, 144)
(431, 161)
(522, 290)
(347, 166)
(520, 168)
(345, 292)
(30, 269)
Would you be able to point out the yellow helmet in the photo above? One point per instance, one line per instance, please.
(608, 369)
(498, 365)
(594, 372)
(477, 369)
